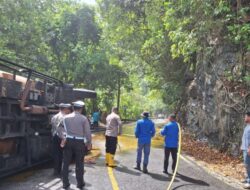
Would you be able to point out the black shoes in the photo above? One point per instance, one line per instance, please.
(145, 170)
(138, 167)
(78, 186)
(165, 172)
(66, 186)
(81, 186)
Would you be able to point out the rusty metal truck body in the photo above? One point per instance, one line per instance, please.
(28, 100)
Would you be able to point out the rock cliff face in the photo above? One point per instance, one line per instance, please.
(216, 105)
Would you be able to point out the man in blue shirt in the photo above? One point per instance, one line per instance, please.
(96, 118)
(144, 131)
(171, 133)
(245, 147)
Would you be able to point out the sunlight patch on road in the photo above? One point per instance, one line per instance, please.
(51, 183)
(54, 184)
(126, 142)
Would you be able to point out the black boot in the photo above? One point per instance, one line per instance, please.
(66, 186)
(138, 167)
(145, 170)
(80, 186)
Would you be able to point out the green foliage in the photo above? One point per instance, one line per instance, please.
(247, 79)
(136, 35)
(147, 47)
(240, 33)
(159, 40)
(140, 99)
(61, 38)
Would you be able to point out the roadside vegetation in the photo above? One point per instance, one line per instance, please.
(137, 54)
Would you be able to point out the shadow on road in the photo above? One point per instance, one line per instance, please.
(192, 180)
(183, 185)
(161, 177)
(49, 182)
(125, 169)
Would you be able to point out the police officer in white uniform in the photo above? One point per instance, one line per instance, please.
(77, 130)
(56, 137)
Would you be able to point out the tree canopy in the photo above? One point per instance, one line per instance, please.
(144, 49)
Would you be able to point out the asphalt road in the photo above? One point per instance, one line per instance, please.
(97, 177)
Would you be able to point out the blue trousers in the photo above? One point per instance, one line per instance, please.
(246, 158)
(146, 150)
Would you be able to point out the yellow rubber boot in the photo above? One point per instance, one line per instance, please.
(107, 159)
(112, 161)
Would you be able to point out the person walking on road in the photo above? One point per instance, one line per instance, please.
(245, 147)
(56, 137)
(113, 129)
(171, 133)
(78, 135)
(96, 118)
(144, 132)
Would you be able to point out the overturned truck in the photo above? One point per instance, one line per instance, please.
(28, 100)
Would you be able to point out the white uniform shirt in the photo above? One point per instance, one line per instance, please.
(114, 125)
(55, 122)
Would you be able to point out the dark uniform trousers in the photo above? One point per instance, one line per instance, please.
(173, 152)
(57, 154)
(77, 148)
(111, 144)
(95, 124)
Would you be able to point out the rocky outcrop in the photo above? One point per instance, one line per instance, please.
(216, 103)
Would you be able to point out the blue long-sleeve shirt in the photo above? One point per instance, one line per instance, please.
(246, 138)
(96, 116)
(144, 131)
(171, 133)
